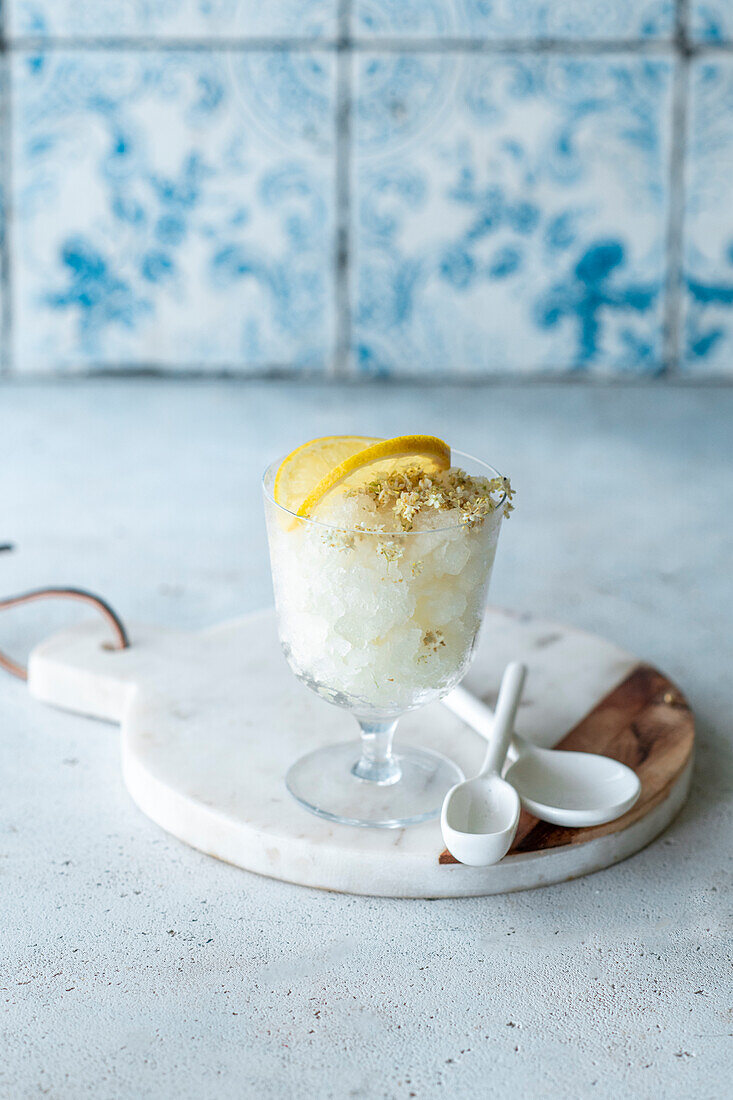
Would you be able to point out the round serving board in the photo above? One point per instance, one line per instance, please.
(211, 721)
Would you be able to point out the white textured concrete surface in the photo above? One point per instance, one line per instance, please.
(132, 966)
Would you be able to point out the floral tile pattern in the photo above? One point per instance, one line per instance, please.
(711, 21)
(173, 209)
(708, 275)
(509, 213)
(462, 187)
(528, 19)
(174, 18)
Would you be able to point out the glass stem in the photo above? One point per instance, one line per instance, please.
(377, 763)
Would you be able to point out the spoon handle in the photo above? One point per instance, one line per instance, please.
(470, 709)
(510, 692)
(480, 717)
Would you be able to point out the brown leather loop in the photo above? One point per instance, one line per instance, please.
(122, 640)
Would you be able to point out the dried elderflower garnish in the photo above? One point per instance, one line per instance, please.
(407, 492)
(390, 550)
(432, 641)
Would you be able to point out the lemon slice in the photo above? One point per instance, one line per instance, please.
(378, 460)
(308, 465)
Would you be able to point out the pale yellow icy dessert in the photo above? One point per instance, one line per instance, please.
(381, 586)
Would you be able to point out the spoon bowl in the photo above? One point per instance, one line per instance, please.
(572, 788)
(479, 820)
(480, 816)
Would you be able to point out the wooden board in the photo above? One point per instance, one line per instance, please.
(210, 722)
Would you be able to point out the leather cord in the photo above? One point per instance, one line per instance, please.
(121, 639)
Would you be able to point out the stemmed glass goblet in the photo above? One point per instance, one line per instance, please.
(378, 623)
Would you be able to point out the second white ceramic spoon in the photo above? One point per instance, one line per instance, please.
(480, 815)
(565, 788)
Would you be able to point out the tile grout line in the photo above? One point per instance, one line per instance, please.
(676, 211)
(289, 374)
(283, 43)
(339, 367)
(6, 201)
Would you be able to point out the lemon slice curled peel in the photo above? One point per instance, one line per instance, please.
(308, 464)
(354, 466)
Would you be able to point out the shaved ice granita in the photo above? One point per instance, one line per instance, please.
(381, 554)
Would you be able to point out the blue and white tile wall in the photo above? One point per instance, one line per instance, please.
(402, 188)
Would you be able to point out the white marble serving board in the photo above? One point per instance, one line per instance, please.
(212, 720)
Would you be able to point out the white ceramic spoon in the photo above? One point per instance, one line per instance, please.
(480, 815)
(566, 788)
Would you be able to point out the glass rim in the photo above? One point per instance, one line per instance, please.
(493, 472)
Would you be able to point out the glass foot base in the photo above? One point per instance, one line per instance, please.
(324, 783)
